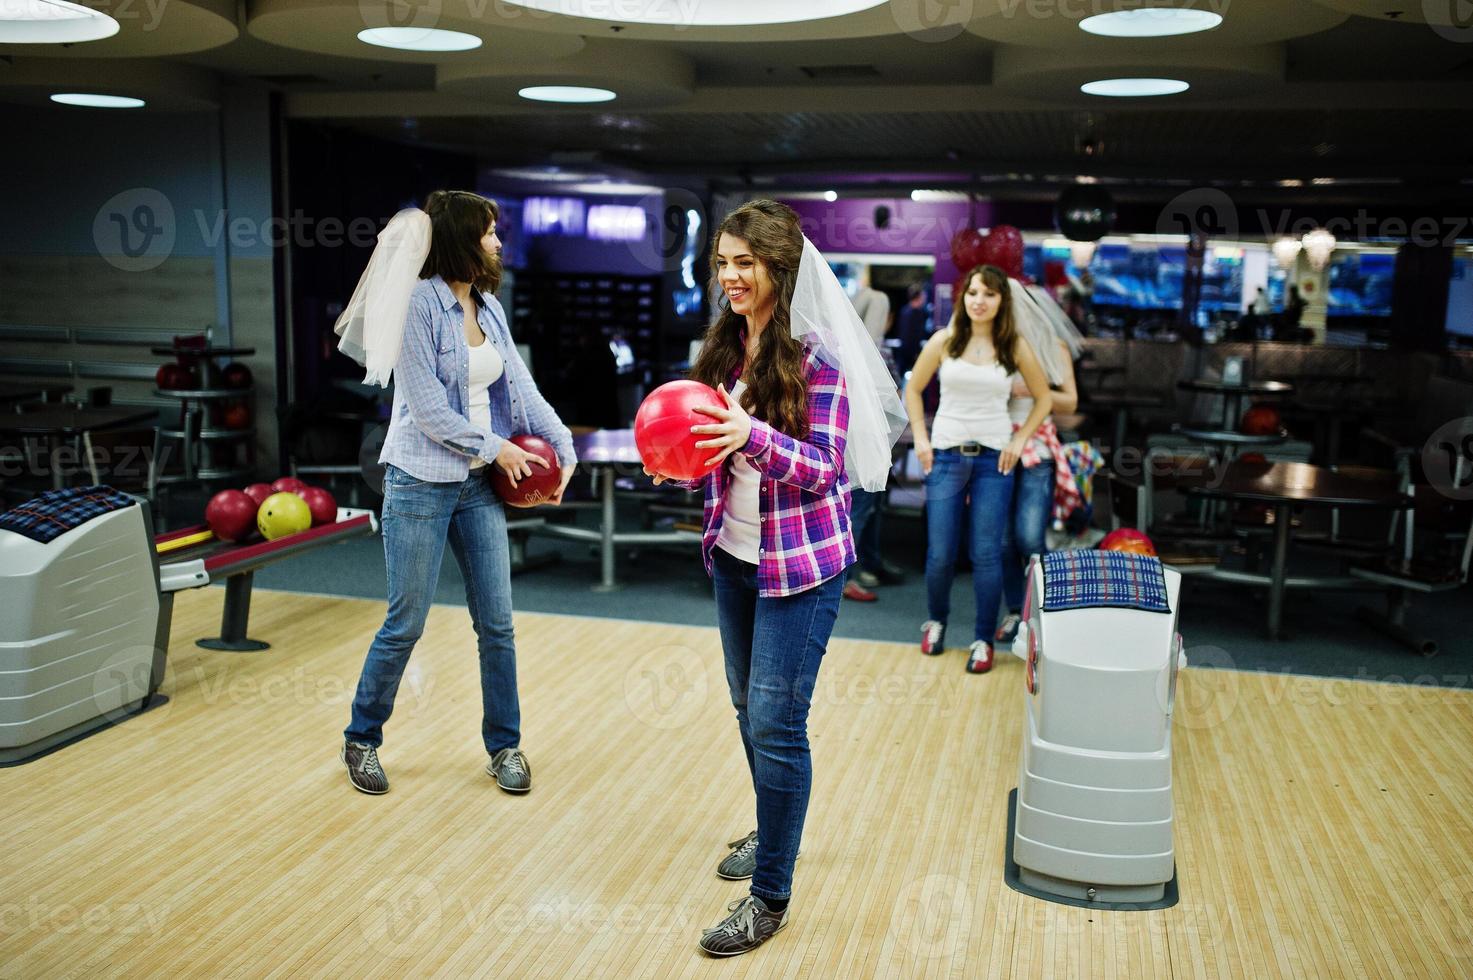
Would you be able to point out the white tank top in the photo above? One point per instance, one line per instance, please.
(974, 405)
(485, 368)
(741, 517)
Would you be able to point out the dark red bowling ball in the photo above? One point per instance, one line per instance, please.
(169, 377)
(259, 492)
(662, 429)
(536, 489)
(237, 415)
(1261, 420)
(236, 375)
(231, 515)
(322, 505)
(288, 484)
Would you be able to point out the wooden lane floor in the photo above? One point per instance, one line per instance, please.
(1322, 824)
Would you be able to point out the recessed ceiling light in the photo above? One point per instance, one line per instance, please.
(1128, 88)
(703, 13)
(1150, 22)
(419, 39)
(566, 93)
(53, 22)
(831, 196)
(94, 101)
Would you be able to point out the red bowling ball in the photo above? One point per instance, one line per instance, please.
(662, 429)
(322, 505)
(1129, 540)
(1261, 420)
(259, 492)
(231, 515)
(236, 375)
(536, 489)
(288, 484)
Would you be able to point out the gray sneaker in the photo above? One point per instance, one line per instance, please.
(364, 772)
(512, 771)
(742, 861)
(749, 925)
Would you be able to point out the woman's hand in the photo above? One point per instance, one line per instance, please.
(1008, 458)
(732, 429)
(557, 498)
(925, 456)
(655, 476)
(516, 462)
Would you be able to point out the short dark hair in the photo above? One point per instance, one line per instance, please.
(458, 222)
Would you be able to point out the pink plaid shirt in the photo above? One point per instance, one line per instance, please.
(804, 495)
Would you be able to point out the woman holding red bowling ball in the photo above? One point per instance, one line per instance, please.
(777, 535)
(461, 392)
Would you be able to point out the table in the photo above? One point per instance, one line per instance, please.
(53, 423)
(1227, 439)
(606, 452)
(1285, 486)
(1120, 403)
(16, 392)
(1232, 394)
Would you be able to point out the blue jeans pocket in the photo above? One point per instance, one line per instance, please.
(404, 496)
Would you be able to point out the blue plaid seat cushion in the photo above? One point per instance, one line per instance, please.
(1085, 579)
(56, 512)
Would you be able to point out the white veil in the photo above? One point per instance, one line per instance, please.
(1041, 323)
(371, 326)
(824, 319)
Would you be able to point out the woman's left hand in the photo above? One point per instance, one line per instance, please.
(1010, 455)
(732, 429)
(557, 498)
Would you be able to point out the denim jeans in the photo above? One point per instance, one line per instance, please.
(955, 480)
(864, 518)
(773, 648)
(1023, 536)
(418, 518)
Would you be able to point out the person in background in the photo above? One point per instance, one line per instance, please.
(873, 307)
(912, 326)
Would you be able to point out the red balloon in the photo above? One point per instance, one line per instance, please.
(1260, 420)
(536, 489)
(288, 484)
(236, 375)
(1003, 247)
(966, 249)
(662, 429)
(259, 492)
(322, 505)
(1129, 540)
(231, 515)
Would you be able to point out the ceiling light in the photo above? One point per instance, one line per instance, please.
(922, 194)
(1132, 88)
(566, 93)
(703, 13)
(1318, 245)
(1291, 182)
(93, 101)
(53, 22)
(419, 39)
(1286, 251)
(831, 196)
(1150, 22)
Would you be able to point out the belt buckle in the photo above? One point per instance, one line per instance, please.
(971, 449)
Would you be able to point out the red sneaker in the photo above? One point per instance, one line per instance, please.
(853, 590)
(933, 637)
(980, 661)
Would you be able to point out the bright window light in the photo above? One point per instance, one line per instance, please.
(1134, 88)
(701, 13)
(94, 101)
(419, 39)
(52, 22)
(1150, 22)
(566, 93)
(616, 223)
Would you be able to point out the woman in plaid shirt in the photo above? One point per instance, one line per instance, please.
(776, 539)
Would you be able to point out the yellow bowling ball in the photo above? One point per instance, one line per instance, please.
(282, 514)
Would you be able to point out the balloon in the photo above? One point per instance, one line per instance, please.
(966, 249)
(1003, 247)
(1085, 212)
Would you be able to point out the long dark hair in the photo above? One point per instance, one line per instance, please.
(1004, 330)
(458, 222)
(776, 390)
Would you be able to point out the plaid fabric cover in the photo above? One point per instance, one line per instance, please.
(1067, 497)
(1085, 579)
(56, 512)
(804, 497)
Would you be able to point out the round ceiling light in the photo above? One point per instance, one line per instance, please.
(1134, 88)
(1151, 22)
(419, 39)
(53, 22)
(702, 13)
(566, 93)
(94, 101)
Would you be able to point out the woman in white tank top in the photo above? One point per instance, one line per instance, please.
(971, 450)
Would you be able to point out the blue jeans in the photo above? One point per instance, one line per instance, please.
(1023, 536)
(418, 518)
(953, 481)
(864, 518)
(773, 648)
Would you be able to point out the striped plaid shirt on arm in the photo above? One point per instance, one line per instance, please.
(431, 436)
(803, 500)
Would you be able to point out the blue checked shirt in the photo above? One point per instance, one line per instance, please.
(431, 436)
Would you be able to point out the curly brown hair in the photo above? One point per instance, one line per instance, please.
(1004, 330)
(776, 390)
(458, 222)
